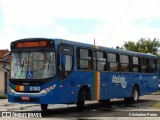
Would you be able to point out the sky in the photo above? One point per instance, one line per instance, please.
(109, 22)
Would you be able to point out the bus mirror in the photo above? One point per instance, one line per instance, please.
(5, 62)
(63, 59)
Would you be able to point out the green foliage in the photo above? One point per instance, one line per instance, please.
(143, 45)
(3, 96)
(132, 46)
(159, 60)
(157, 105)
(158, 93)
(118, 47)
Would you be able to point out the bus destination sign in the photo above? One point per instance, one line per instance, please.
(31, 44)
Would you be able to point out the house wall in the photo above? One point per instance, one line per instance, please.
(2, 77)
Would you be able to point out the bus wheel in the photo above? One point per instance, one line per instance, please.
(44, 106)
(135, 95)
(81, 100)
(134, 98)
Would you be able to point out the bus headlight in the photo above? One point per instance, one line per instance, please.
(47, 89)
(42, 91)
(11, 90)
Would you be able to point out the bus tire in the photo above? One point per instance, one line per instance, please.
(81, 100)
(135, 95)
(44, 106)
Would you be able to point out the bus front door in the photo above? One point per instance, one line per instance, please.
(65, 59)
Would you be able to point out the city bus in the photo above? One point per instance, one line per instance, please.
(57, 71)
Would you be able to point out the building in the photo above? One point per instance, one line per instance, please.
(2, 82)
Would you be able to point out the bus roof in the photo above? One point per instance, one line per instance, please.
(91, 46)
(102, 48)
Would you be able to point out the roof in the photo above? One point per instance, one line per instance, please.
(58, 41)
(2, 53)
(101, 48)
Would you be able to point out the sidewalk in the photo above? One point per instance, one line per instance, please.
(7, 106)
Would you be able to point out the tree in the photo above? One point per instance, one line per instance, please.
(132, 46)
(118, 47)
(143, 45)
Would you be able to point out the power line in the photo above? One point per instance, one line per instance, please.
(118, 21)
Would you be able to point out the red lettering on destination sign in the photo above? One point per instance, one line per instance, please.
(31, 44)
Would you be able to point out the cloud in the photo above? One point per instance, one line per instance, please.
(9, 35)
(41, 13)
(27, 14)
(148, 22)
(60, 32)
(121, 21)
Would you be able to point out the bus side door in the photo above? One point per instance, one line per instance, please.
(65, 64)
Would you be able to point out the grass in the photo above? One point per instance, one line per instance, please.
(2, 96)
(157, 105)
(158, 93)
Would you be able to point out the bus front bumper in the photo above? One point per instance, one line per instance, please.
(31, 98)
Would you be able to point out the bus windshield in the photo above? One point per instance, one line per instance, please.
(32, 65)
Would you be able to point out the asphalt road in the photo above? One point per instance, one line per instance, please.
(96, 110)
(118, 108)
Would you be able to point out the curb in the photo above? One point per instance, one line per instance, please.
(20, 108)
(154, 94)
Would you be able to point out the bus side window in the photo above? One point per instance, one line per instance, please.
(124, 63)
(153, 66)
(135, 64)
(99, 60)
(113, 62)
(144, 65)
(84, 59)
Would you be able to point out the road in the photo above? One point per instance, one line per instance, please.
(118, 109)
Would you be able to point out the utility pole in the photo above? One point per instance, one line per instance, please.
(5, 82)
(94, 41)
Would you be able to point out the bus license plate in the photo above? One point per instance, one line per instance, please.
(26, 98)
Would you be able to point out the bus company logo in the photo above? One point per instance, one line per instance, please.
(120, 80)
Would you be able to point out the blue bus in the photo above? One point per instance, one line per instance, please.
(57, 71)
